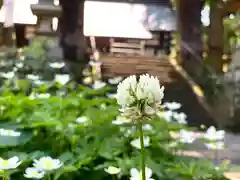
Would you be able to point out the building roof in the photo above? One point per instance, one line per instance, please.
(124, 19)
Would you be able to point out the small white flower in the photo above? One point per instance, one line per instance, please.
(213, 135)
(19, 64)
(62, 78)
(121, 120)
(111, 95)
(147, 127)
(39, 96)
(8, 75)
(180, 117)
(215, 146)
(136, 143)
(34, 173)
(33, 77)
(98, 85)
(186, 136)
(9, 132)
(115, 80)
(112, 170)
(147, 92)
(12, 163)
(82, 119)
(47, 163)
(57, 65)
(167, 115)
(172, 106)
(137, 175)
(39, 82)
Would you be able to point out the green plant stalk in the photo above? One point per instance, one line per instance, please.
(142, 150)
(113, 177)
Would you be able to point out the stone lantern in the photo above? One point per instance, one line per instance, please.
(46, 10)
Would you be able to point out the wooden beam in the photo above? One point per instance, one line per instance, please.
(231, 6)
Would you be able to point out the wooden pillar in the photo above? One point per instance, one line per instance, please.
(190, 36)
(215, 36)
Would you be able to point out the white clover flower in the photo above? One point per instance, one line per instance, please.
(47, 163)
(187, 137)
(215, 145)
(136, 143)
(9, 132)
(57, 65)
(137, 175)
(82, 119)
(34, 173)
(33, 77)
(143, 96)
(126, 91)
(62, 78)
(121, 120)
(213, 135)
(172, 106)
(180, 117)
(98, 85)
(112, 170)
(12, 163)
(115, 80)
(7, 75)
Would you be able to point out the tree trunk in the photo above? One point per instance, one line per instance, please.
(71, 30)
(190, 40)
(71, 34)
(215, 37)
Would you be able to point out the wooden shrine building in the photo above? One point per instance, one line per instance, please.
(135, 27)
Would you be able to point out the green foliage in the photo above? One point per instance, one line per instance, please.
(48, 127)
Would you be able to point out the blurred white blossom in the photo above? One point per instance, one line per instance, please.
(62, 78)
(166, 115)
(47, 163)
(39, 96)
(9, 132)
(34, 173)
(12, 163)
(33, 77)
(7, 75)
(82, 119)
(215, 145)
(115, 80)
(147, 127)
(172, 106)
(57, 65)
(187, 137)
(180, 117)
(121, 120)
(137, 175)
(136, 143)
(213, 135)
(98, 85)
(112, 170)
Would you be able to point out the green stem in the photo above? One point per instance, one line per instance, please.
(48, 176)
(113, 177)
(142, 150)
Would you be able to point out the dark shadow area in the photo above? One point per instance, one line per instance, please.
(180, 91)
